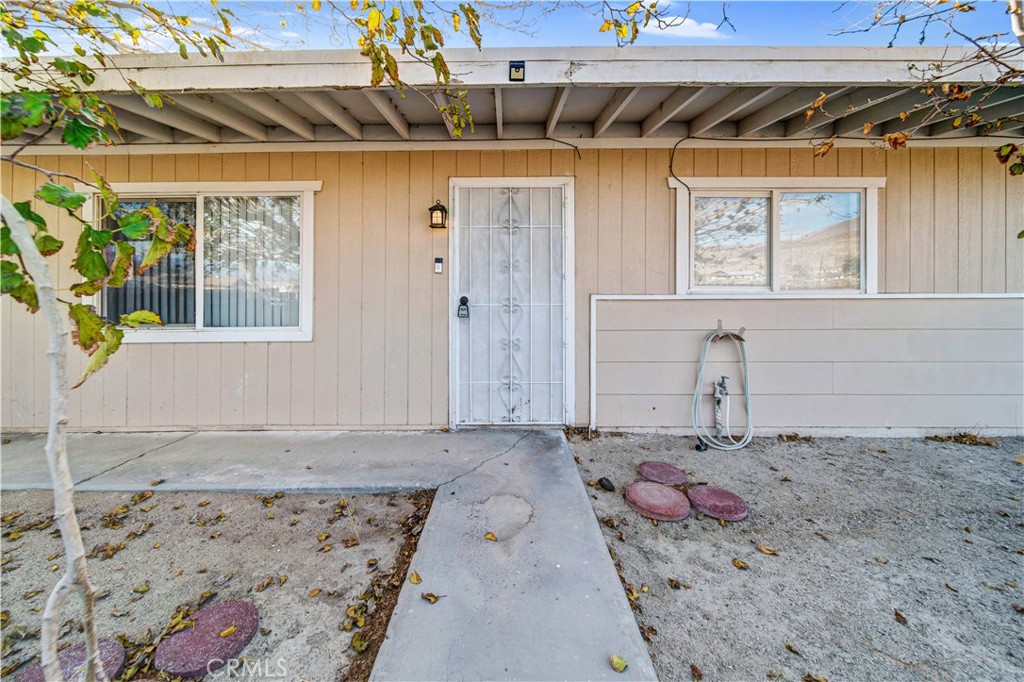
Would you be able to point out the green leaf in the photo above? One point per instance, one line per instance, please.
(48, 244)
(121, 268)
(61, 196)
(618, 663)
(108, 346)
(157, 250)
(87, 288)
(26, 293)
(90, 263)
(79, 134)
(24, 209)
(10, 276)
(7, 245)
(1020, 235)
(135, 225)
(87, 326)
(134, 319)
(100, 238)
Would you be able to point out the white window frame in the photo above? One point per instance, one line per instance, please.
(687, 188)
(178, 190)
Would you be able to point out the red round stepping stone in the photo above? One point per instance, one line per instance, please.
(662, 472)
(718, 503)
(200, 650)
(72, 662)
(657, 501)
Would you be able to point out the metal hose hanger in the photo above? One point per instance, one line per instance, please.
(720, 442)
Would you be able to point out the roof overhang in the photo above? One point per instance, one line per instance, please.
(596, 97)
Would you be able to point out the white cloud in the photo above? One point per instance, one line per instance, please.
(290, 34)
(686, 28)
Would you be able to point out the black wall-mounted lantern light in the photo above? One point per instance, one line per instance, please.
(438, 215)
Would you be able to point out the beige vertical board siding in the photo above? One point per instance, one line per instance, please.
(303, 358)
(946, 212)
(420, 296)
(396, 302)
(374, 248)
(538, 162)
(609, 225)
(379, 356)
(139, 355)
(207, 399)
(492, 165)
(1014, 225)
(658, 205)
(969, 219)
(873, 166)
(443, 170)
(922, 220)
(588, 189)
(349, 297)
(634, 215)
(7, 336)
(325, 282)
(276, 371)
(993, 225)
(839, 363)
(897, 230)
(827, 165)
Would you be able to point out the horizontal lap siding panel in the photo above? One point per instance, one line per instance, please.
(923, 363)
(678, 378)
(823, 411)
(820, 345)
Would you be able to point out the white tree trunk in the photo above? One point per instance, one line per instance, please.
(1017, 19)
(75, 575)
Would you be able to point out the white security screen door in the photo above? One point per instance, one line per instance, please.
(509, 354)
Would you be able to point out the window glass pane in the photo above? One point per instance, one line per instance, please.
(167, 288)
(251, 261)
(819, 240)
(730, 241)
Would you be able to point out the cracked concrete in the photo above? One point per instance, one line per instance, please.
(542, 602)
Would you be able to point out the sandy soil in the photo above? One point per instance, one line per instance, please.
(241, 544)
(863, 529)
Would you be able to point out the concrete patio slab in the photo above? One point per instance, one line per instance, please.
(543, 602)
(257, 461)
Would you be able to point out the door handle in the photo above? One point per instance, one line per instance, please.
(463, 307)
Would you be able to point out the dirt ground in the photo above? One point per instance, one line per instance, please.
(274, 551)
(863, 529)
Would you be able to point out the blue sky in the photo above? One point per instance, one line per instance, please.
(757, 22)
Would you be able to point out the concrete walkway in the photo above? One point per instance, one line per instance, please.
(543, 602)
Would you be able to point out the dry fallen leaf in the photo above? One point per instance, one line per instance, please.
(765, 549)
(415, 578)
(951, 588)
(674, 584)
(314, 592)
(322, 537)
(881, 560)
(695, 673)
(429, 596)
(740, 563)
(228, 632)
(203, 503)
(282, 580)
(900, 618)
(793, 650)
(358, 643)
(142, 588)
(821, 535)
(351, 542)
(491, 537)
(814, 678)
(325, 548)
(618, 663)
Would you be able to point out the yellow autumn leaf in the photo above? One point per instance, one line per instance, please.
(322, 537)
(316, 5)
(456, 20)
(622, 31)
(740, 563)
(606, 26)
(618, 663)
(203, 503)
(868, 126)
(228, 632)
(765, 549)
(314, 592)
(881, 559)
(633, 9)
(373, 20)
(414, 578)
(491, 537)
(429, 596)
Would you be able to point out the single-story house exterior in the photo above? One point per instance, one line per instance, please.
(611, 206)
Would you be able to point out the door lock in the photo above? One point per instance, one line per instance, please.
(463, 307)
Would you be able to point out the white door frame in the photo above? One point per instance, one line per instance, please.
(568, 292)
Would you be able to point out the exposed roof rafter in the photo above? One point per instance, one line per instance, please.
(325, 105)
(144, 126)
(664, 112)
(499, 113)
(612, 110)
(383, 104)
(737, 100)
(209, 107)
(168, 116)
(444, 108)
(839, 107)
(277, 112)
(557, 104)
(1012, 108)
(792, 104)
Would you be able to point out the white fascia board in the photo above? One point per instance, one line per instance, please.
(547, 67)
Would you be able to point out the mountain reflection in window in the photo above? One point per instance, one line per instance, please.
(819, 240)
(730, 241)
